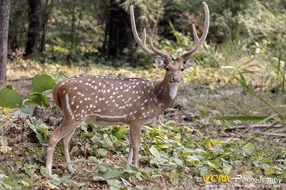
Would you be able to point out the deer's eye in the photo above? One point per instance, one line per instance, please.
(182, 69)
(167, 69)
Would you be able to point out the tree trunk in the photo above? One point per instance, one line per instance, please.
(4, 28)
(45, 17)
(32, 45)
(117, 31)
(72, 34)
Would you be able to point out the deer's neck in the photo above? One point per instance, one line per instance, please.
(166, 93)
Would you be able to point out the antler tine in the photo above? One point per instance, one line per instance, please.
(142, 42)
(198, 42)
(136, 36)
(144, 37)
(159, 52)
(196, 38)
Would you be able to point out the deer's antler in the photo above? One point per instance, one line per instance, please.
(198, 41)
(142, 42)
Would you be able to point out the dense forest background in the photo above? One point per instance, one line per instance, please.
(229, 116)
(69, 30)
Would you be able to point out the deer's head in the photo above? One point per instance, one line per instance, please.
(174, 68)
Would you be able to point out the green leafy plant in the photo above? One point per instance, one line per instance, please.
(10, 99)
(109, 174)
(40, 129)
(41, 84)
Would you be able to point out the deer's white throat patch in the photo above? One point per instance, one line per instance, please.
(173, 90)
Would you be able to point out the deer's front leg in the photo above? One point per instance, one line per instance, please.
(135, 131)
(130, 155)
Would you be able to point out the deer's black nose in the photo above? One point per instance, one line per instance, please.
(176, 79)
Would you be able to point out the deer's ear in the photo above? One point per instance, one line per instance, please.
(160, 62)
(189, 62)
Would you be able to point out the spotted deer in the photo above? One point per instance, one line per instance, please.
(106, 100)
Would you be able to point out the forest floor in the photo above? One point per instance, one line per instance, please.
(180, 151)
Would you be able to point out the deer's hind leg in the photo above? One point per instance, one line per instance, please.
(66, 141)
(64, 130)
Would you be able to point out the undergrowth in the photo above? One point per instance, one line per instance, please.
(172, 155)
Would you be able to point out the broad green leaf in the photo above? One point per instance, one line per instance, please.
(29, 170)
(192, 160)
(36, 98)
(211, 165)
(113, 182)
(270, 171)
(226, 168)
(133, 168)
(125, 182)
(247, 174)
(98, 178)
(56, 179)
(28, 109)
(204, 171)
(210, 142)
(267, 160)
(119, 132)
(52, 185)
(10, 99)
(104, 167)
(162, 146)
(173, 178)
(185, 154)
(44, 172)
(111, 174)
(4, 145)
(93, 159)
(7, 110)
(120, 148)
(154, 152)
(43, 129)
(39, 135)
(102, 152)
(107, 142)
(42, 83)
(26, 182)
(177, 130)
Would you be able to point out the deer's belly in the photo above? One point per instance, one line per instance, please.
(117, 119)
(150, 120)
(105, 119)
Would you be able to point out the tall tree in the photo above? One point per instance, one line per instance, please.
(45, 17)
(117, 30)
(32, 45)
(72, 32)
(4, 28)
